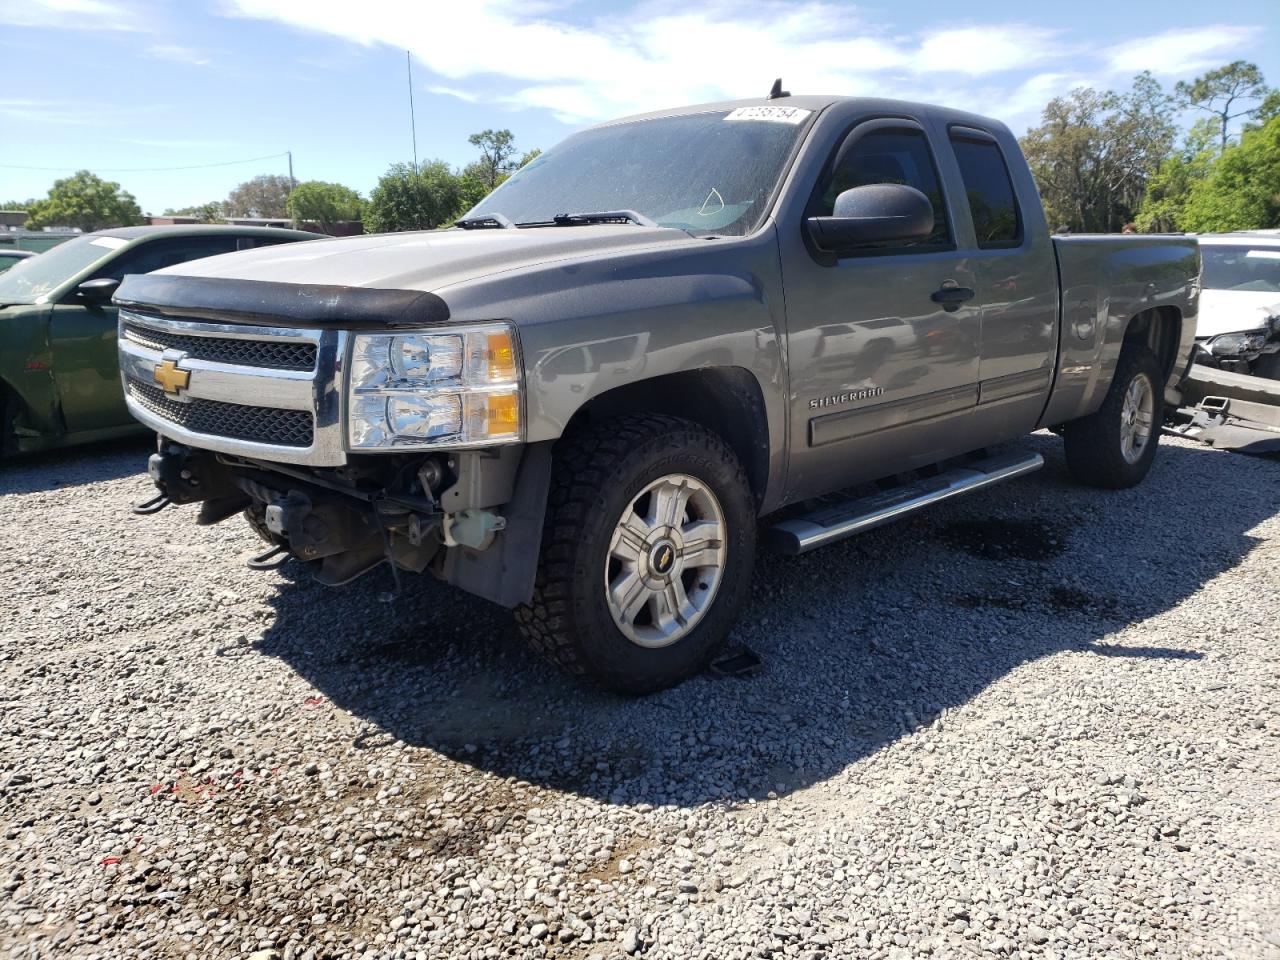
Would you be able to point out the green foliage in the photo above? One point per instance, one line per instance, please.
(1242, 191)
(1223, 93)
(86, 201)
(263, 196)
(497, 147)
(325, 203)
(409, 198)
(1170, 188)
(210, 212)
(1094, 152)
(17, 204)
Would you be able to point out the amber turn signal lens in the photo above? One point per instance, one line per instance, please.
(502, 357)
(504, 413)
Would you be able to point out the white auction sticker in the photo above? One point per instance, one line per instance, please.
(791, 115)
(111, 243)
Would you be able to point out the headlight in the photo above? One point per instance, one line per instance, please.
(456, 387)
(1235, 344)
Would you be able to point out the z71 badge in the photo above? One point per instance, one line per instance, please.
(849, 396)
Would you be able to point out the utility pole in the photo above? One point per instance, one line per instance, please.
(292, 182)
(413, 123)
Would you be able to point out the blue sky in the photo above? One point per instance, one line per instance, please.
(115, 85)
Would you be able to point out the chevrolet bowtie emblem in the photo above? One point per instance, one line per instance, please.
(171, 377)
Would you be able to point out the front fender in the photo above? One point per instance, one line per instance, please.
(592, 325)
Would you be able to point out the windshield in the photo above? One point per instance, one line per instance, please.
(1248, 269)
(29, 279)
(708, 173)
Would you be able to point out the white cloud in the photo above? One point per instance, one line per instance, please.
(530, 53)
(177, 53)
(454, 92)
(68, 14)
(1182, 52)
(982, 50)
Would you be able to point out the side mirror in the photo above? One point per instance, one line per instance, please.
(875, 213)
(98, 291)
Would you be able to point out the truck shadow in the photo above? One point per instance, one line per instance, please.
(861, 642)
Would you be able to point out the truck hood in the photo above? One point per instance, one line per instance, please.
(1234, 311)
(427, 261)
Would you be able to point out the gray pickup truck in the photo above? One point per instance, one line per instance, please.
(663, 336)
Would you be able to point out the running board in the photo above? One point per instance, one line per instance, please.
(836, 521)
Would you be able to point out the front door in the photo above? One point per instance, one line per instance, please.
(883, 360)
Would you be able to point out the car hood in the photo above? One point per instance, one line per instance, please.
(1234, 311)
(427, 261)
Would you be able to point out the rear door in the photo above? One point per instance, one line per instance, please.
(83, 336)
(1015, 280)
(883, 374)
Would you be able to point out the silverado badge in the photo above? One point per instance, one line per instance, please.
(171, 377)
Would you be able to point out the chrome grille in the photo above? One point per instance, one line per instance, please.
(271, 354)
(285, 428)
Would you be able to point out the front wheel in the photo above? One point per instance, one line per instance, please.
(646, 553)
(1114, 448)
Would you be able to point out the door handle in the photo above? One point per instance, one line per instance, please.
(952, 297)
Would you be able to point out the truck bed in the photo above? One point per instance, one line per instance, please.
(1105, 280)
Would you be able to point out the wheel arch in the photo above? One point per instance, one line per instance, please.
(727, 400)
(1160, 330)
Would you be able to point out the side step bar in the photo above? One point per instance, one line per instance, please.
(836, 521)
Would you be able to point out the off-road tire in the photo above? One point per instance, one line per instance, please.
(1093, 443)
(596, 474)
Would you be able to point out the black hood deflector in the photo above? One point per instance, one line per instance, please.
(264, 303)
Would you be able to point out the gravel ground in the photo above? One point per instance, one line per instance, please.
(1039, 721)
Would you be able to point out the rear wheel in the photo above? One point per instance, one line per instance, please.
(1114, 448)
(646, 554)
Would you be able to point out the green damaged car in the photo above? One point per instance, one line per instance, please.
(59, 372)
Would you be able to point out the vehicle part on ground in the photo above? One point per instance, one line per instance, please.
(646, 554)
(1239, 425)
(1114, 448)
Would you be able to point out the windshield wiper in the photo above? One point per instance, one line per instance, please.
(603, 216)
(486, 221)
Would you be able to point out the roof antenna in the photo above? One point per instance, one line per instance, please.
(777, 92)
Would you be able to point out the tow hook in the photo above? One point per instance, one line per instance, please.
(154, 505)
(271, 559)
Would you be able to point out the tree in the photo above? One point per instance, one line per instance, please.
(529, 157)
(210, 212)
(1242, 191)
(17, 204)
(414, 198)
(1094, 152)
(325, 203)
(1170, 188)
(86, 201)
(1224, 90)
(263, 196)
(497, 147)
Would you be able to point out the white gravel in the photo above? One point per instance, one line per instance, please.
(1037, 722)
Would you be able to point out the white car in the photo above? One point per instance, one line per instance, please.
(1239, 323)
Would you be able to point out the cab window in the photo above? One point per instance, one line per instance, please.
(992, 203)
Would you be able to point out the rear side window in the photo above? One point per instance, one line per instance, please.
(889, 156)
(155, 254)
(996, 221)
